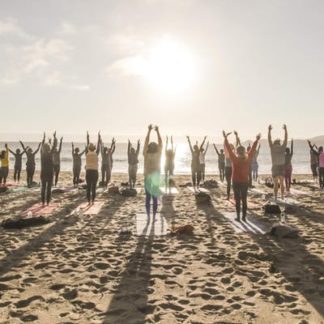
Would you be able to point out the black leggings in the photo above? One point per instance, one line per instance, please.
(321, 177)
(91, 179)
(196, 177)
(228, 177)
(221, 172)
(17, 171)
(240, 195)
(76, 175)
(46, 190)
(4, 174)
(56, 169)
(30, 170)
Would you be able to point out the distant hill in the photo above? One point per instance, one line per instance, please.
(318, 139)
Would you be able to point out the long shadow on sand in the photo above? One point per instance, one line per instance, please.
(129, 303)
(62, 222)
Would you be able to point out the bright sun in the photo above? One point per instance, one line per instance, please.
(170, 67)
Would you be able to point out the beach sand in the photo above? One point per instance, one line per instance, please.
(81, 269)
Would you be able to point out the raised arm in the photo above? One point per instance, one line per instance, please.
(113, 146)
(292, 147)
(39, 145)
(54, 140)
(72, 148)
(99, 143)
(60, 148)
(166, 143)
(129, 147)
(228, 147)
(286, 135)
(312, 148)
(88, 139)
(160, 143)
(190, 146)
(216, 149)
(13, 153)
(147, 139)
(206, 148)
(85, 150)
(237, 139)
(22, 145)
(138, 147)
(269, 135)
(254, 146)
(203, 143)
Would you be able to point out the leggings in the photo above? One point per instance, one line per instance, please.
(46, 190)
(288, 172)
(56, 169)
(30, 170)
(152, 189)
(17, 171)
(105, 174)
(321, 177)
(4, 174)
(202, 168)
(91, 179)
(228, 177)
(196, 177)
(132, 172)
(221, 169)
(76, 175)
(240, 194)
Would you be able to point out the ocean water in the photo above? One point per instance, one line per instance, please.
(301, 158)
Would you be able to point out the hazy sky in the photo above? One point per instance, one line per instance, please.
(113, 65)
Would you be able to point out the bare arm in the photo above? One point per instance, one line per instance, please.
(166, 144)
(39, 145)
(147, 139)
(128, 147)
(203, 142)
(113, 146)
(216, 149)
(206, 148)
(138, 147)
(286, 136)
(22, 145)
(160, 143)
(269, 136)
(12, 152)
(292, 147)
(60, 148)
(99, 143)
(72, 148)
(190, 146)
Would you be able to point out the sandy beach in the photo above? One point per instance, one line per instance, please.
(83, 269)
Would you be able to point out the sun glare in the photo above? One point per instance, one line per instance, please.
(170, 67)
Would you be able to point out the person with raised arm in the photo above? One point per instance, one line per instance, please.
(77, 163)
(4, 169)
(107, 161)
(228, 165)
(169, 162)
(202, 161)
(152, 152)
(221, 163)
(30, 164)
(47, 171)
(314, 161)
(278, 161)
(288, 165)
(255, 164)
(195, 164)
(241, 163)
(56, 158)
(92, 162)
(132, 156)
(18, 163)
(320, 155)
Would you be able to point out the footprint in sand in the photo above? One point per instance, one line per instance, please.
(25, 302)
(70, 294)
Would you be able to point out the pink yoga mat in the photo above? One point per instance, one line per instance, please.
(39, 210)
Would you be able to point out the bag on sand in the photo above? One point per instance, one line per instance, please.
(272, 209)
(202, 198)
(25, 222)
(283, 231)
(184, 229)
(113, 190)
(210, 184)
(128, 192)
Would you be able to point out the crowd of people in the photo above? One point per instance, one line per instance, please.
(237, 165)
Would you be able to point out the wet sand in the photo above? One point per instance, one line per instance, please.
(81, 269)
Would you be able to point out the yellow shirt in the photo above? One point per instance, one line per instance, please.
(5, 160)
(91, 161)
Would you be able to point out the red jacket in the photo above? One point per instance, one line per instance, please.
(241, 166)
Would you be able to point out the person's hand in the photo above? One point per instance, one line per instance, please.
(156, 128)
(284, 127)
(258, 137)
(44, 136)
(6, 145)
(270, 128)
(187, 137)
(61, 139)
(150, 127)
(235, 133)
(224, 134)
(54, 134)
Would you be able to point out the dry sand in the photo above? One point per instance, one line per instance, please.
(80, 269)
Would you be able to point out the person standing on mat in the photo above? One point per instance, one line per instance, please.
(195, 164)
(152, 152)
(47, 171)
(4, 170)
(314, 162)
(30, 164)
(18, 163)
(278, 161)
(56, 159)
(77, 163)
(132, 156)
(169, 162)
(255, 164)
(202, 161)
(320, 155)
(288, 165)
(241, 163)
(107, 162)
(221, 163)
(92, 162)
